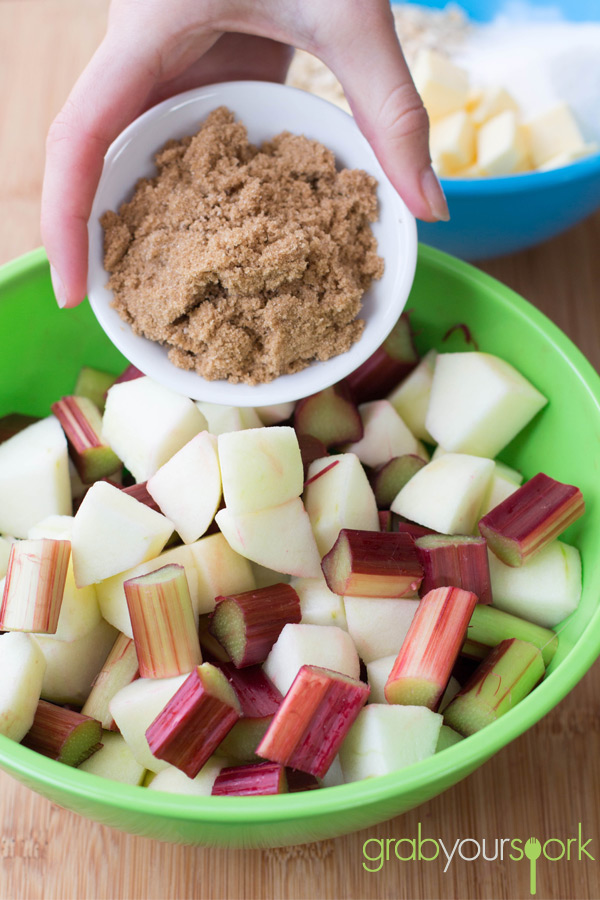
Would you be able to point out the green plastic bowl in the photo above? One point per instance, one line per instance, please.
(42, 353)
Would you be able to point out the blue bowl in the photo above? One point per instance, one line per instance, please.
(496, 216)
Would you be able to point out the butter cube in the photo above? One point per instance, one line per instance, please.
(492, 101)
(568, 157)
(502, 146)
(552, 133)
(443, 87)
(452, 142)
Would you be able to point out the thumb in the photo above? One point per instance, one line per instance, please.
(386, 106)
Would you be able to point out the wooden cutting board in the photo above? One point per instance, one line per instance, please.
(542, 785)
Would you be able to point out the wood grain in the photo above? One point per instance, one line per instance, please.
(543, 784)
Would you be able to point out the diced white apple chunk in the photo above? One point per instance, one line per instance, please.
(265, 577)
(113, 532)
(385, 435)
(134, 709)
(174, 781)
(114, 760)
(310, 645)
(385, 738)
(111, 593)
(22, 667)
(378, 626)
(276, 413)
(334, 775)
(146, 424)
(319, 605)
(279, 538)
(479, 403)
(340, 497)
(71, 666)
(187, 487)
(378, 671)
(220, 570)
(222, 418)
(446, 494)
(411, 398)
(544, 590)
(500, 487)
(34, 477)
(260, 468)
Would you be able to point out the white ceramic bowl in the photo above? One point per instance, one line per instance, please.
(266, 109)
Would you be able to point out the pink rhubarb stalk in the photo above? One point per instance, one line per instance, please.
(34, 585)
(255, 780)
(81, 422)
(458, 560)
(372, 564)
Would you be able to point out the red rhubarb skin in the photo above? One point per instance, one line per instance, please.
(265, 612)
(433, 641)
(79, 432)
(415, 531)
(372, 564)
(256, 780)
(462, 565)
(313, 720)
(53, 726)
(323, 407)
(531, 518)
(140, 492)
(191, 726)
(255, 691)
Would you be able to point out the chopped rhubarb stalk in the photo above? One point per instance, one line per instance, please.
(140, 493)
(298, 781)
(63, 734)
(328, 468)
(531, 518)
(34, 585)
(489, 627)
(255, 780)
(473, 650)
(508, 674)
(311, 448)
(386, 520)
(195, 720)
(372, 564)
(331, 416)
(247, 625)
(119, 670)
(129, 374)
(415, 531)
(13, 423)
(82, 424)
(259, 701)
(433, 641)
(387, 367)
(93, 384)
(388, 480)
(313, 720)
(455, 559)
(163, 623)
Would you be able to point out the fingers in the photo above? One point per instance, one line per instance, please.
(365, 55)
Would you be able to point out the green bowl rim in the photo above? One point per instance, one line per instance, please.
(420, 777)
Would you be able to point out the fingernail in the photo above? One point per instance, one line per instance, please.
(435, 195)
(59, 288)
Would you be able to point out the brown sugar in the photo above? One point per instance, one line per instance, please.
(246, 263)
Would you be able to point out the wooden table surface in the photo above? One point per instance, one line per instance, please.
(543, 784)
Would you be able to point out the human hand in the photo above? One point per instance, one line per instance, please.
(154, 48)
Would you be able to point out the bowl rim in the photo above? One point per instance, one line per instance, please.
(400, 232)
(39, 771)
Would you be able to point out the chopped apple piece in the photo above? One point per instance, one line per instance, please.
(276, 413)
(390, 363)
(410, 398)
(544, 590)
(120, 669)
(279, 538)
(369, 564)
(448, 738)
(479, 403)
(331, 416)
(247, 625)
(378, 625)
(384, 436)
(34, 477)
(386, 738)
(82, 424)
(113, 532)
(222, 419)
(531, 518)
(318, 605)
(254, 780)
(22, 667)
(146, 424)
(72, 666)
(313, 720)
(430, 649)
(174, 781)
(502, 485)
(93, 384)
(63, 734)
(195, 720)
(34, 585)
(187, 487)
(340, 498)
(326, 646)
(461, 561)
(260, 468)
(378, 671)
(220, 571)
(447, 493)
(114, 760)
(508, 674)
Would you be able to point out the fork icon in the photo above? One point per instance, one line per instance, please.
(533, 850)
